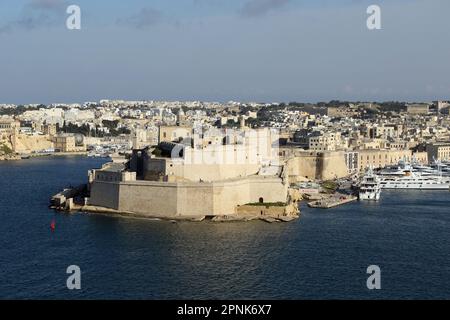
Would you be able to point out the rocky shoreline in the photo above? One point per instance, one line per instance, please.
(222, 218)
(10, 158)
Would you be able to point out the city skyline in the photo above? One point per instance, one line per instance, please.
(264, 51)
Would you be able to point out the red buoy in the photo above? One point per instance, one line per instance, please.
(53, 225)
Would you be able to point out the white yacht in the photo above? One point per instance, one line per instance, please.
(417, 181)
(370, 187)
(407, 176)
(415, 176)
(399, 170)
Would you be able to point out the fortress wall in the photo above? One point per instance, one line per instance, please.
(154, 199)
(186, 199)
(333, 166)
(26, 144)
(228, 195)
(195, 200)
(105, 194)
(323, 166)
(211, 172)
(304, 166)
(269, 188)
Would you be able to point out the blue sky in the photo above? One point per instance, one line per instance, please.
(248, 50)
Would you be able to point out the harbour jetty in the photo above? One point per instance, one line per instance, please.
(331, 201)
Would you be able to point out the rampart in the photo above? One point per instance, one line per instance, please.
(172, 199)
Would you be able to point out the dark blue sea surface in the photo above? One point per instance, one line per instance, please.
(322, 255)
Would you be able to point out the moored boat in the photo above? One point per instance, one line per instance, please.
(370, 187)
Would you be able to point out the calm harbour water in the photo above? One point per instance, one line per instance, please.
(322, 255)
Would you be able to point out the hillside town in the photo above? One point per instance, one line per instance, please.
(233, 159)
(355, 134)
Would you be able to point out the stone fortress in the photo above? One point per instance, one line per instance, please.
(194, 174)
